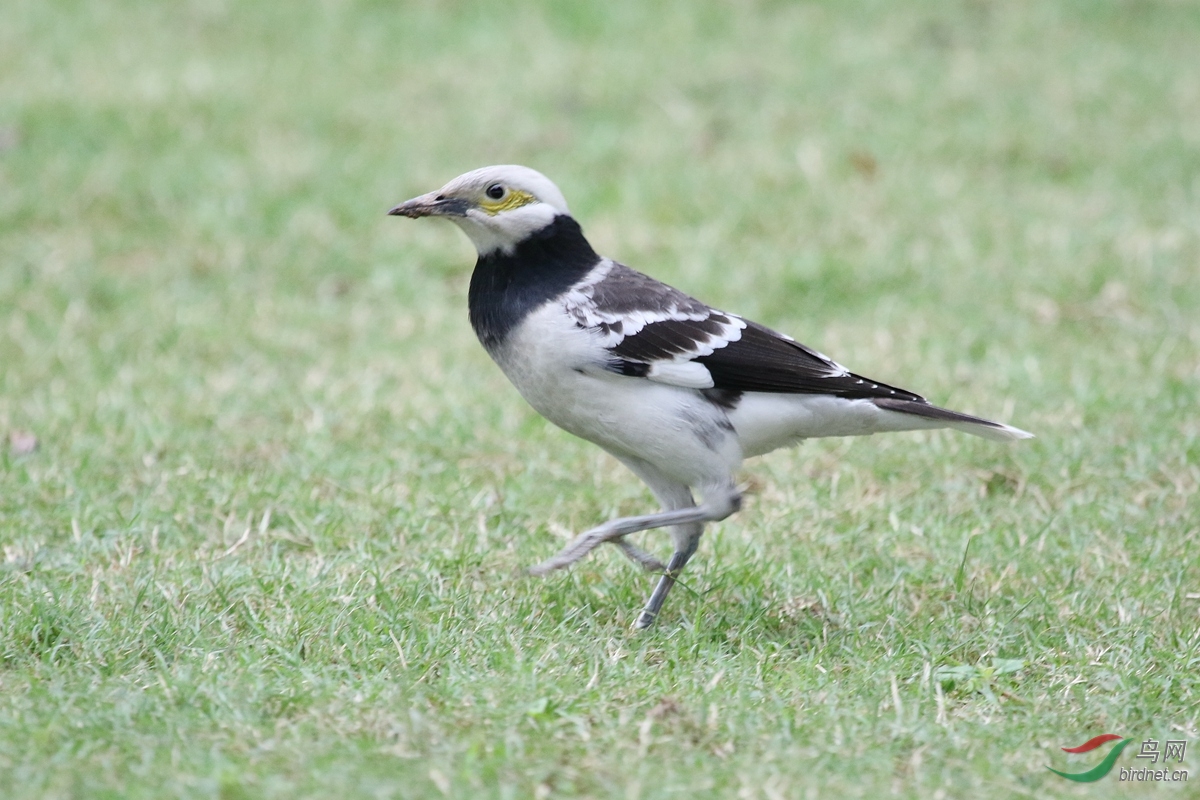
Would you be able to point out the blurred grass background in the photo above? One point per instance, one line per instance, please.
(263, 499)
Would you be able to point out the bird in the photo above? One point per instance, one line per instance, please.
(676, 390)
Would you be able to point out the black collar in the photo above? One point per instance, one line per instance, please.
(506, 287)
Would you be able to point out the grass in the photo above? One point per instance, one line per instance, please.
(269, 541)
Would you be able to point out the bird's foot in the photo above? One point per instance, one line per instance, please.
(640, 557)
(644, 620)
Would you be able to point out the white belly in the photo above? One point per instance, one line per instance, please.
(552, 362)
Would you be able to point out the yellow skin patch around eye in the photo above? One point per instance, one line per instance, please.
(514, 199)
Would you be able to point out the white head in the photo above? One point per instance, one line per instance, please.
(497, 207)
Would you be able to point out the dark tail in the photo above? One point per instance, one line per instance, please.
(996, 431)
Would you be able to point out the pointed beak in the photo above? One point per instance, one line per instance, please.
(433, 204)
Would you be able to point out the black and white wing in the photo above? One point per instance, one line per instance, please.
(654, 331)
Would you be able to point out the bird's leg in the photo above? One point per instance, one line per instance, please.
(680, 513)
(687, 539)
(619, 528)
(672, 494)
(678, 560)
(639, 556)
(719, 505)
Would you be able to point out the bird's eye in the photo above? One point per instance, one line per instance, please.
(495, 191)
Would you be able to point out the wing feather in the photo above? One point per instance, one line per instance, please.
(656, 332)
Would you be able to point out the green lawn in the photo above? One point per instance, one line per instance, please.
(269, 542)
